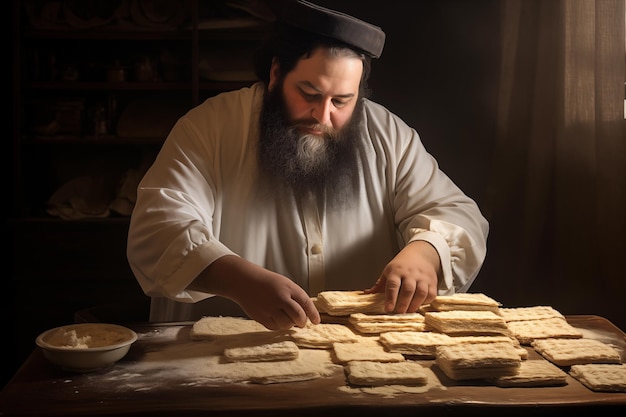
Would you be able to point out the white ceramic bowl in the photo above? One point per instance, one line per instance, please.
(86, 347)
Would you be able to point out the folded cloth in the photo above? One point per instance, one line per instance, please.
(82, 197)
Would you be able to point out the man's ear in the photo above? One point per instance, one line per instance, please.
(274, 74)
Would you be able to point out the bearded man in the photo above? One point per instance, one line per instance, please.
(261, 198)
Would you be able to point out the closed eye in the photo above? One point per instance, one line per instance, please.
(338, 102)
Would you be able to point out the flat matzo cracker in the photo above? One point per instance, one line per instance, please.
(465, 301)
(422, 344)
(234, 331)
(364, 350)
(478, 360)
(278, 351)
(367, 373)
(567, 352)
(311, 363)
(322, 335)
(534, 373)
(528, 330)
(601, 377)
(462, 322)
(530, 313)
(523, 353)
(211, 327)
(344, 303)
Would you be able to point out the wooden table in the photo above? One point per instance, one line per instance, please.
(135, 386)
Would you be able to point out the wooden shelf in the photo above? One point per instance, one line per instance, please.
(91, 140)
(108, 86)
(47, 58)
(133, 85)
(56, 221)
(50, 53)
(107, 34)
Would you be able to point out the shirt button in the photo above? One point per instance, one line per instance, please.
(316, 249)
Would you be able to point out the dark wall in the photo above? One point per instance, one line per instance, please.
(438, 72)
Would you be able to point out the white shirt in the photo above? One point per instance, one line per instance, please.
(201, 200)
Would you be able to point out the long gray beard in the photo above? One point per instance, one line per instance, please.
(308, 163)
(312, 153)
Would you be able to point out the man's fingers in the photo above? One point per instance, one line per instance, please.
(311, 312)
(420, 296)
(406, 294)
(392, 287)
(303, 309)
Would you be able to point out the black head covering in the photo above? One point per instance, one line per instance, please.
(329, 23)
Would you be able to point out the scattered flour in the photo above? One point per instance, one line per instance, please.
(203, 360)
(201, 363)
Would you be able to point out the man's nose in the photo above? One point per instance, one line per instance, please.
(321, 112)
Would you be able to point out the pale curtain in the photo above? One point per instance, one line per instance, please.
(557, 194)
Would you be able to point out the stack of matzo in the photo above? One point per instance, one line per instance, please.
(344, 303)
(478, 360)
(464, 301)
(521, 351)
(380, 323)
(537, 322)
(534, 373)
(479, 346)
(465, 319)
(421, 344)
(466, 322)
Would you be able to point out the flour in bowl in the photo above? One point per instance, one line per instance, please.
(70, 339)
(89, 335)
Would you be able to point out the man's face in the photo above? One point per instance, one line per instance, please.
(321, 91)
(308, 130)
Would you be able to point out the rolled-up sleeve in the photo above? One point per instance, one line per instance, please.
(175, 224)
(427, 204)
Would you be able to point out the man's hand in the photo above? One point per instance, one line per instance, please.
(270, 298)
(410, 278)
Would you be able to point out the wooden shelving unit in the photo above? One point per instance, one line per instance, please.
(61, 76)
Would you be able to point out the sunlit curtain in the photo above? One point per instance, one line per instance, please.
(557, 197)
